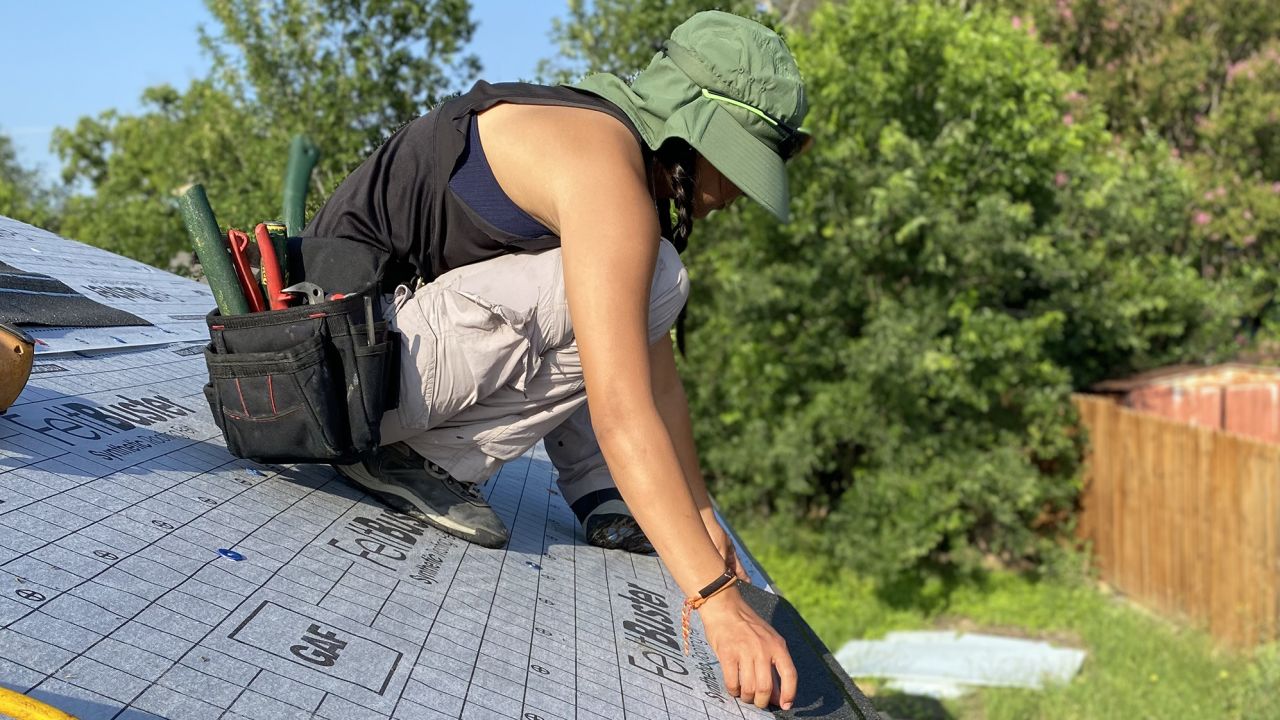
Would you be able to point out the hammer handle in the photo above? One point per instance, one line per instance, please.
(212, 251)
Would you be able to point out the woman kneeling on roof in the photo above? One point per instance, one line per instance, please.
(522, 228)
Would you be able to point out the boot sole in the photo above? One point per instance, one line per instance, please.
(400, 499)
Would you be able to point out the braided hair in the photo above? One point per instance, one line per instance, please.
(675, 216)
(677, 160)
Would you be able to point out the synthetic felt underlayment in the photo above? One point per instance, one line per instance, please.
(144, 573)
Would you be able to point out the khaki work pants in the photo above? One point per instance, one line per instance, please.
(489, 366)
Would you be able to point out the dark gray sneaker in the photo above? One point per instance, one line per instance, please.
(410, 483)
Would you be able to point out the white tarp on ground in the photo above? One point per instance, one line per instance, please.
(945, 663)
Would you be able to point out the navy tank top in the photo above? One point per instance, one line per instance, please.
(475, 185)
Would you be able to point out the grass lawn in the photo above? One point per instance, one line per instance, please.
(1138, 665)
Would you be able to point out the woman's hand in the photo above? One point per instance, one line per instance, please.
(748, 650)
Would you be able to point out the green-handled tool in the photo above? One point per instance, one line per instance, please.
(303, 156)
(212, 251)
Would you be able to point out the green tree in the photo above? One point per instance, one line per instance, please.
(1153, 65)
(347, 74)
(892, 371)
(970, 245)
(135, 166)
(621, 36)
(23, 196)
(1206, 78)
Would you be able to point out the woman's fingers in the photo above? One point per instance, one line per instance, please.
(729, 666)
(763, 685)
(786, 676)
(747, 678)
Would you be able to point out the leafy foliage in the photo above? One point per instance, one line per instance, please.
(971, 244)
(1154, 65)
(1206, 78)
(136, 164)
(347, 74)
(619, 36)
(22, 194)
(970, 247)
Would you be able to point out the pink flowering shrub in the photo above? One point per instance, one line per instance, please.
(1205, 77)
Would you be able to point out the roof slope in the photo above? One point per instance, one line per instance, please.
(145, 572)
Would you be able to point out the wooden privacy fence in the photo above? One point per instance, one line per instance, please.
(1185, 519)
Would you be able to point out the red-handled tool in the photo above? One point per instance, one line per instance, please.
(239, 243)
(271, 269)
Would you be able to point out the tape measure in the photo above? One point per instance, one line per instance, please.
(17, 353)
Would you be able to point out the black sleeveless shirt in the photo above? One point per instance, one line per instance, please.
(398, 208)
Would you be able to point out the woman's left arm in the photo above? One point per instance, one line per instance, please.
(673, 407)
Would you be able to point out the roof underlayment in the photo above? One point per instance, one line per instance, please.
(145, 572)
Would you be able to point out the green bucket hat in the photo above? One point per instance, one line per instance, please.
(730, 88)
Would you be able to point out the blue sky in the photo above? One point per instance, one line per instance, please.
(63, 59)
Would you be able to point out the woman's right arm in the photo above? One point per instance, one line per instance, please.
(595, 196)
(668, 392)
(608, 232)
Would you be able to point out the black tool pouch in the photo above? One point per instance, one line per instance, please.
(304, 384)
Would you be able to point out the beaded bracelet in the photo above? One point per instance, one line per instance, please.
(717, 586)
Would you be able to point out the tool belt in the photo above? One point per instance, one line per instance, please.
(302, 384)
(307, 383)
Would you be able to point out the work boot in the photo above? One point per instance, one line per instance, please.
(611, 526)
(410, 483)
